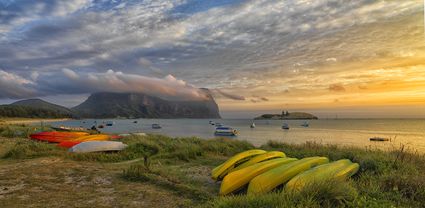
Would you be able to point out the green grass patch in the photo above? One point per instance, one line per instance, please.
(26, 149)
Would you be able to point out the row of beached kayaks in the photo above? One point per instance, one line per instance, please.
(81, 141)
(262, 172)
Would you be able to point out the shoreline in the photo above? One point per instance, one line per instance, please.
(31, 120)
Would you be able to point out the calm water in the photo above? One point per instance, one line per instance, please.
(341, 132)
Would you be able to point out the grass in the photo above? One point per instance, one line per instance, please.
(179, 169)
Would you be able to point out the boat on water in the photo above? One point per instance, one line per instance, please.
(67, 128)
(305, 124)
(252, 125)
(110, 123)
(156, 126)
(379, 139)
(225, 131)
(285, 126)
(218, 125)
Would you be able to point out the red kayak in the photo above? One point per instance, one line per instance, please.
(116, 137)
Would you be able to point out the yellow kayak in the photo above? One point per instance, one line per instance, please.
(237, 179)
(271, 179)
(220, 171)
(260, 158)
(95, 137)
(336, 170)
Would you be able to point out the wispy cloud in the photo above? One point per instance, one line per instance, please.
(250, 47)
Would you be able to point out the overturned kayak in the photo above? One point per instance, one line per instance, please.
(260, 158)
(238, 179)
(340, 169)
(280, 175)
(97, 146)
(222, 170)
(55, 136)
(95, 137)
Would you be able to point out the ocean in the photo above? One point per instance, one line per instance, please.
(343, 132)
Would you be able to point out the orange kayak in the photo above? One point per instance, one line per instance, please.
(95, 137)
(55, 136)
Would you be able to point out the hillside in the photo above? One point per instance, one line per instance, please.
(137, 105)
(41, 104)
(12, 111)
(287, 116)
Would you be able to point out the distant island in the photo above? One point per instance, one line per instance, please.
(115, 105)
(285, 115)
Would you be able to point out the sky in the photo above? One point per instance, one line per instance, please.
(357, 59)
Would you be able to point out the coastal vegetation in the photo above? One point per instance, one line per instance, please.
(13, 111)
(160, 171)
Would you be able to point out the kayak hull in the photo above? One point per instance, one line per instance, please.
(220, 171)
(97, 146)
(260, 158)
(269, 180)
(238, 179)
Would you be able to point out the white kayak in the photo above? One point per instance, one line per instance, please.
(98, 146)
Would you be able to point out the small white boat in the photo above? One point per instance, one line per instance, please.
(225, 131)
(156, 126)
(110, 123)
(285, 126)
(305, 124)
(98, 146)
(218, 125)
(252, 125)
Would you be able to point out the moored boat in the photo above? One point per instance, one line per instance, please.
(225, 131)
(305, 124)
(156, 126)
(68, 128)
(379, 139)
(285, 126)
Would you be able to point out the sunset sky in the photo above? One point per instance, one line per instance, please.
(363, 58)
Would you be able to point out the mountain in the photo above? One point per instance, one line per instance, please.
(287, 116)
(138, 105)
(41, 104)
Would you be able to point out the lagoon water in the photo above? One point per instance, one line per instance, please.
(352, 132)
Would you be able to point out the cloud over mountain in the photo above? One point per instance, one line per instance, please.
(239, 47)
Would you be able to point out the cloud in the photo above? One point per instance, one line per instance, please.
(232, 45)
(169, 87)
(14, 86)
(336, 88)
(219, 92)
